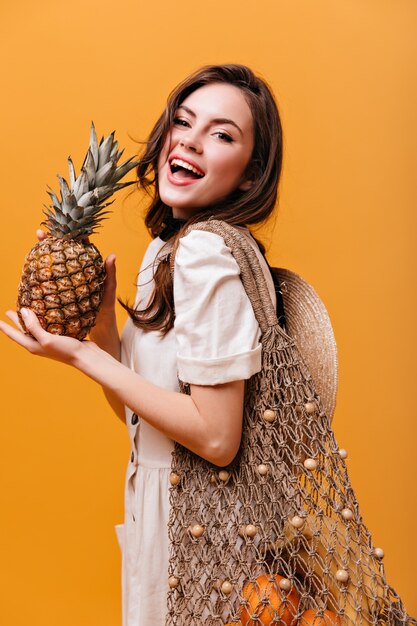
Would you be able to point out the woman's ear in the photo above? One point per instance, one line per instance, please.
(246, 185)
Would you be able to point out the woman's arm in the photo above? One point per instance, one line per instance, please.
(208, 422)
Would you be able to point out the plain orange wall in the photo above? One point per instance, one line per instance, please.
(343, 74)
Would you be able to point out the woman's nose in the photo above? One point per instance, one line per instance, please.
(190, 143)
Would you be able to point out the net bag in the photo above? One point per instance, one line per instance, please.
(276, 537)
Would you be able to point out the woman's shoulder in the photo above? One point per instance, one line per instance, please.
(208, 253)
(200, 241)
(204, 251)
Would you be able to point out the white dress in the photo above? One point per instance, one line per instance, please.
(215, 339)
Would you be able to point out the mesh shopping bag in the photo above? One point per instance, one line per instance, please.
(277, 536)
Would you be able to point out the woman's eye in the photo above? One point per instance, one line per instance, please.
(179, 121)
(223, 136)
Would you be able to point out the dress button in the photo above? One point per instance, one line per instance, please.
(134, 419)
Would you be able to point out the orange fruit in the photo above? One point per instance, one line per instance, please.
(266, 600)
(312, 617)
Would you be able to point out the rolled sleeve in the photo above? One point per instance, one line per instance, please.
(218, 336)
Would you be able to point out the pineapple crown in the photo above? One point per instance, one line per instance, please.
(82, 205)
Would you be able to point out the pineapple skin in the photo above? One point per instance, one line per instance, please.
(62, 282)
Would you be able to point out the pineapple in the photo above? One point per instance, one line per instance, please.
(63, 275)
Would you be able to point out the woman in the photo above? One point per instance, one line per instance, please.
(215, 151)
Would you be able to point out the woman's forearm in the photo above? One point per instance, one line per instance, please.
(205, 432)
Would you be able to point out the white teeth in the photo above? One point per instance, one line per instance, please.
(186, 166)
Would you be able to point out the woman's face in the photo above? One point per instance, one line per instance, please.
(208, 149)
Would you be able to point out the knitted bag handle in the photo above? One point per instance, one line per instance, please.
(252, 275)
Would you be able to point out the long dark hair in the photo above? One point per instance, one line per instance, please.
(240, 208)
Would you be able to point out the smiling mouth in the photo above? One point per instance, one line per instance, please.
(183, 170)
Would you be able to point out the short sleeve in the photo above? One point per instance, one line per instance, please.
(218, 336)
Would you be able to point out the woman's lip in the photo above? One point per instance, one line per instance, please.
(180, 183)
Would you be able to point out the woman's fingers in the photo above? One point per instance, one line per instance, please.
(109, 295)
(33, 326)
(15, 319)
(17, 335)
(41, 234)
(111, 269)
(41, 343)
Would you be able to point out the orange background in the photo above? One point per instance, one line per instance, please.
(343, 74)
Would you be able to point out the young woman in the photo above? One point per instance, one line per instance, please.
(215, 151)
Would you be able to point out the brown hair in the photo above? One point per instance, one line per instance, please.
(240, 208)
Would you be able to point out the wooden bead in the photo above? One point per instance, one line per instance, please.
(342, 575)
(285, 584)
(224, 475)
(174, 479)
(226, 587)
(173, 582)
(269, 415)
(310, 464)
(213, 479)
(250, 530)
(347, 514)
(262, 469)
(297, 521)
(343, 453)
(310, 407)
(378, 553)
(197, 530)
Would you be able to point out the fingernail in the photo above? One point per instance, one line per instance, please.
(24, 313)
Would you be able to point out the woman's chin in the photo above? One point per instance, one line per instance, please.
(178, 203)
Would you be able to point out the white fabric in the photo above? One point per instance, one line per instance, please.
(215, 339)
(216, 330)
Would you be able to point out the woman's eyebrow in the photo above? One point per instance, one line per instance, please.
(217, 120)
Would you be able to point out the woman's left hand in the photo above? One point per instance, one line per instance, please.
(42, 343)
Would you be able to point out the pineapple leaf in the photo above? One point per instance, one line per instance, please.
(54, 198)
(69, 203)
(91, 211)
(104, 150)
(65, 193)
(85, 198)
(63, 186)
(90, 169)
(119, 155)
(113, 152)
(72, 174)
(94, 144)
(77, 213)
(81, 185)
(105, 174)
(124, 169)
(56, 216)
